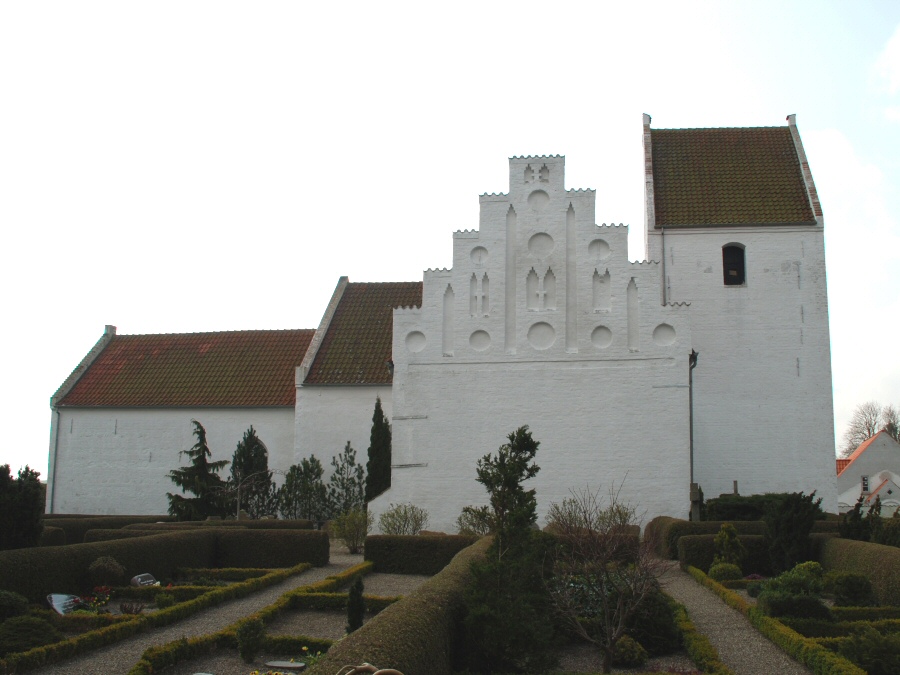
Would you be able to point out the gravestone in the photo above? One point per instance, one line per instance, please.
(63, 604)
(144, 580)
(294, 666)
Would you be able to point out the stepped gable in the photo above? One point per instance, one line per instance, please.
(225, 369)
(730, 176)
(358, 342)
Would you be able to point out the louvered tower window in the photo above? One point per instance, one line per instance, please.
(733, 264)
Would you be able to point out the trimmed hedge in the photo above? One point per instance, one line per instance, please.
(417, 634)
(744, 508)
(36, 572)
(698, 550)
(414, 554)
(666, 531)
(52, 536)
(76, 526)
(111, 535)
(817, 628)
(265, 524)
(805, 650)
(697, 645)
(880, 563)
(270, 548)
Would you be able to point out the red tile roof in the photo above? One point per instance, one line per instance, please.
(228, 369)
(841, 465)
(859, 450)
(727, 177)
(357, 344)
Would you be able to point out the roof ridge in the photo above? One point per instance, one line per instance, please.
(218, 332)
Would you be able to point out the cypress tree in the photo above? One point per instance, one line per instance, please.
(201, 478)
(378, 468)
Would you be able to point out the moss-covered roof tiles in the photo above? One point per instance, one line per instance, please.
(748, 176)
(228, 369)
(357, 344)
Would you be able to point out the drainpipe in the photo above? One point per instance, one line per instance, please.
(695, 492)
(52, 485)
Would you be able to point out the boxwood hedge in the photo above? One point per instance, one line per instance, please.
(414, 554)
(76, 526)
(880, 563)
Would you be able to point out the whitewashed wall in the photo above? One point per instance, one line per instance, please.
(329, 416)
(762, 388)
(116, 461)
(597, 372)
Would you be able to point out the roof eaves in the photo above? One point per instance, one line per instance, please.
(109, 333)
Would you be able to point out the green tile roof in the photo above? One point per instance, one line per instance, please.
(746, 176)
(228, 369)
(358, 342)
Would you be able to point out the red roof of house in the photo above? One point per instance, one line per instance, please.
(728, 177)
(841, 465)
(859, 450)
(357, 344)
(228, 369)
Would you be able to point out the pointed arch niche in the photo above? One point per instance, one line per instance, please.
(602, 292)
(447, 331)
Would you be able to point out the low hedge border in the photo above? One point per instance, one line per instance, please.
(100, 534)
(76, 526)
(414, 554)
(697, 645)
(222, 573)
(79, 644)
(807, 651)
(417, 634)
(817, 628)
(162, 656)
(338, 601)
(865, 613)
(265, 524)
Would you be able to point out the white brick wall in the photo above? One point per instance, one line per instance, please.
(116, 461)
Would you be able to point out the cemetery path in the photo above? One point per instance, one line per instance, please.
(121, 657)
(741, 647)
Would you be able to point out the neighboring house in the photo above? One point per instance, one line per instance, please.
(873, 469)
(544, 321)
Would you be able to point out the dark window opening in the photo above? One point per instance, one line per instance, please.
(865, 483)
(733, 265)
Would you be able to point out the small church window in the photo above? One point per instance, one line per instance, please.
(865, 483)
(733, 264)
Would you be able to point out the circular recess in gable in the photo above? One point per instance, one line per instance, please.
(664, 335)
(540, 245)
(599, 249)
(479, 255)
(538, 200)
(541, 335)
(415, 341)
(480, 340)
(601, 337)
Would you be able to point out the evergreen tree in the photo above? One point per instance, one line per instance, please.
(347, 484)
(303, 494)
(201, 479)
(356, 605)
(250, 486)
(21, 507)
(378, 468)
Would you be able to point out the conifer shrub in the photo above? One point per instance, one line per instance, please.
(629, 653)
(788, 524)
(250, 634)
(729, 548)
(12, 604)
(849, 589)
(781, 603)
(106, 571)
(356, 606)
(654, 625)
(21, 633)
(878, 654)
(725, 572)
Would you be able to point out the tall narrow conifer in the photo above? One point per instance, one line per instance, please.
(378, 468)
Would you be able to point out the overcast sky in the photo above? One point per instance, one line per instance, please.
(200, 166)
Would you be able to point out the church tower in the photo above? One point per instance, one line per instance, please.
(733, 218)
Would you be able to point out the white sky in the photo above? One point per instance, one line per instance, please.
(197, 166)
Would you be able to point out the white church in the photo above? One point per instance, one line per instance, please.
(709, 363)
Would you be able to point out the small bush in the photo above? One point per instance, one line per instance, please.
(106, 571)
(22, 633)
(729, 548)
(131, 607)
(804, 579)
(164, 600)
(475, 520)
(403, 519)
(629, 653)
(356, 606)
(250, 636)
(12, 604)
(788, 525)
(352, 528)
(780, 603)
(725, 572)
(754, 589)
(850, 590)
(653, 625)
(877, 654)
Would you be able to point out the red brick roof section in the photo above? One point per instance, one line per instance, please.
(860, 450)
(357, 345)
(841, 465)
(704, 177)
(229, 369)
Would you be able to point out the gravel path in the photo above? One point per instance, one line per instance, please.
(120, 657)
(741, 647)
